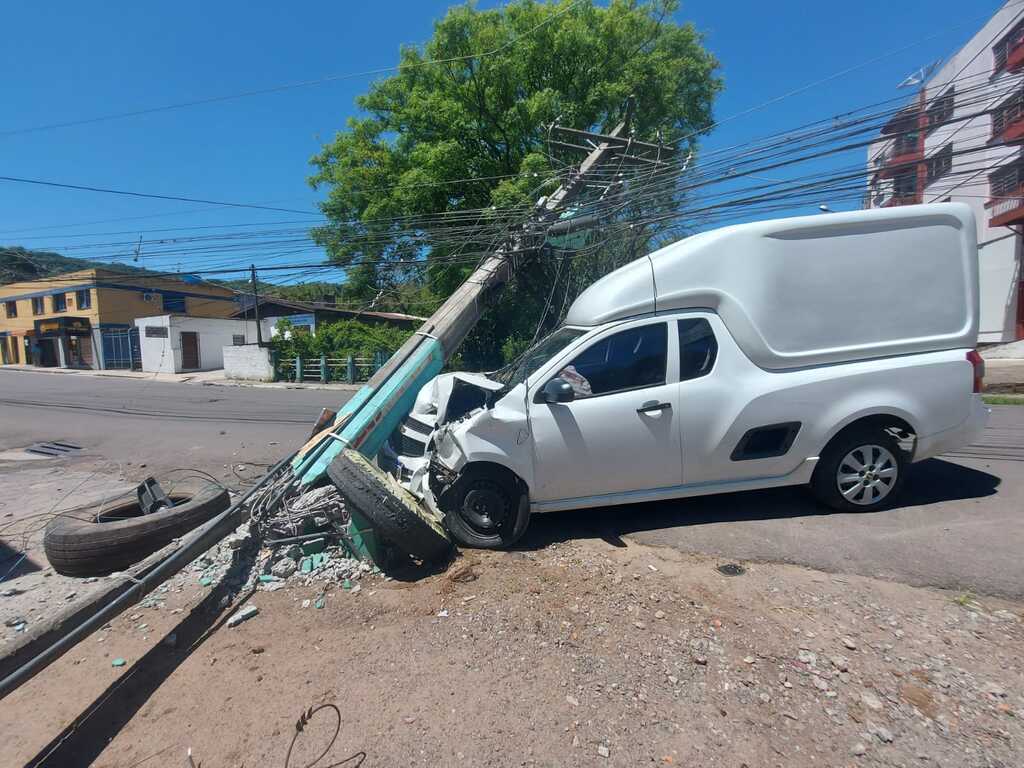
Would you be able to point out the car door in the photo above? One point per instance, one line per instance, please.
(620, 432)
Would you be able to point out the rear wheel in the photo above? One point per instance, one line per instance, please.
(486, 508)
(860, 471)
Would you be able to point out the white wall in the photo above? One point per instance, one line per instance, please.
(163, 355)
(248, 363)
(999, 249)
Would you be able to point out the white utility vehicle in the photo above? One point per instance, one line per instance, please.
(832, 350)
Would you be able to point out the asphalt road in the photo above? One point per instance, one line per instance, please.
(960, 524)
(130, 422)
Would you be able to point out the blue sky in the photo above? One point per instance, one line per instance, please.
(66, 61)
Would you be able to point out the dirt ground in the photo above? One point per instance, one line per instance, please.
(584, 653)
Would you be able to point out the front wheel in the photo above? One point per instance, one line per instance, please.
(860, 471)
(486, 508)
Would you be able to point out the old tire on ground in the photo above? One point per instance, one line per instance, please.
(110, 537)
(486, 508)
(860, 470)
(395, 513)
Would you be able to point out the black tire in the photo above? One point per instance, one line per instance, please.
(829, 490)
(111, 537)
(486, 508)
(396, 514)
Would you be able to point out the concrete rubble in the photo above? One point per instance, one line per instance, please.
(323, 561)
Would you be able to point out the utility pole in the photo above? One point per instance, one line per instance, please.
(256, 305)
(367, 420)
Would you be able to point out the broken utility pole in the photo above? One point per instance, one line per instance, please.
(366, 421)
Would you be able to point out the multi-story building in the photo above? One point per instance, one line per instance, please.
(961, 138)
(85, 319)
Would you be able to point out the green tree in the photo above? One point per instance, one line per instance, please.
(468, 133)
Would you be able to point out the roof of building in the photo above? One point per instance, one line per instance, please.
(321, 306)
(103, 277)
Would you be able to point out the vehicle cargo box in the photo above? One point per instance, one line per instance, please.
(814, 289)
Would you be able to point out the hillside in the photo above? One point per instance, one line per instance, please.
(17, 263)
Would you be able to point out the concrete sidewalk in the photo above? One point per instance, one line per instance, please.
(208, 378)
(1004, 375)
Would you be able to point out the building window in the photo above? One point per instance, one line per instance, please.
(59, 302)
(174, 303)
(37, 305)
(238, 339)
(1007, 113)
(83, 299)
(941, 110)
(1006, 182)
(906, 144)
(1001, 50)
(11, 308)
(940, 163)
(904, 185)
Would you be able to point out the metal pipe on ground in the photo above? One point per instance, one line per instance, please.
(200, 540)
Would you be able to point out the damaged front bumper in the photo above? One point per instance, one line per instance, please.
(427, 450)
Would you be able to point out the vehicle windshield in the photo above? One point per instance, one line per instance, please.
(520, 369)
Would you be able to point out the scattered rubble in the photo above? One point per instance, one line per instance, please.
(740, 671)
(322, 557)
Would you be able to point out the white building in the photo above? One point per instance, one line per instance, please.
(179, 343)
(961, 139)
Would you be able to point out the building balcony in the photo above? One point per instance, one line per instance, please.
(896, 200)
(900, 159)
(903, 121)
(1004, 211)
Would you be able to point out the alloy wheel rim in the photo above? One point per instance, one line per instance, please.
(867, 474)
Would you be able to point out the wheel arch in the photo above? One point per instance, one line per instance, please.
(881, 420)
(484, 465)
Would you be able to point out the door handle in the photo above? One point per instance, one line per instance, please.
(652, 407)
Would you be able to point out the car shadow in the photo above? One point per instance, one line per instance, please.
(929, 482)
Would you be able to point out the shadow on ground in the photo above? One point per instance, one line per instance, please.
(14, 562)
(85, 738)
(929, 482)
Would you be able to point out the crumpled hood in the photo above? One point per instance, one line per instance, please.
(452, 395)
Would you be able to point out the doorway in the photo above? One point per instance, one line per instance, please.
(48, 357)
(189, 350)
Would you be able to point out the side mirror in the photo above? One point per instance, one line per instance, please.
(558, 390)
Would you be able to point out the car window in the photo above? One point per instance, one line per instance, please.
(624, 360)
(698, 348)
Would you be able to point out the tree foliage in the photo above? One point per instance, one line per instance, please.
(469, 133)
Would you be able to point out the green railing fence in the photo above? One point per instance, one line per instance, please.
(324, 369)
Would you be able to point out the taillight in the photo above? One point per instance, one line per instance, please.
(978, 364)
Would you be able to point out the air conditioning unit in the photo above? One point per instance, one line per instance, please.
(150, 297)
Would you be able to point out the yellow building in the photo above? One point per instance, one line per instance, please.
(85, 319)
